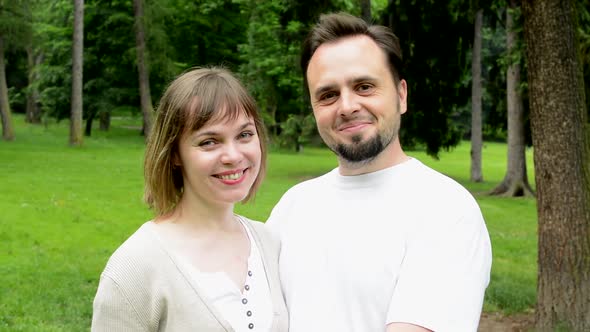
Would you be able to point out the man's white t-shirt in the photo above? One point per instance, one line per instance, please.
(404, 244)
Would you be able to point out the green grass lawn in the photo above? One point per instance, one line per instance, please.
(64, 210)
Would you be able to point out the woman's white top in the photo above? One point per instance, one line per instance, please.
(249, 309)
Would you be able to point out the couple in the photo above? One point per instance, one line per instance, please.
(381, 243)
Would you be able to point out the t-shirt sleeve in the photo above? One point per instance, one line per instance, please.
(444, 275)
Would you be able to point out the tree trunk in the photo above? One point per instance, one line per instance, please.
(7, 130)
(104, 121)
(142, 68)
(562, 162)
(366, 11)
(33, 112)
(476, 134)
(515, 181)
(89, 120)
(77, 69)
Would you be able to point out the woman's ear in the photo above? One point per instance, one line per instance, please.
(176, 163)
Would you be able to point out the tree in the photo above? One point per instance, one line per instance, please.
(562, 160)
(53, 35)
(366, 10)
(12, 29)
(274, 34)
(34, 59)
(142, 68)
(476, 92)
(110, 59)
(77, 69)
(515, 182)
(7, 130)
(584, 30)
(438, 82)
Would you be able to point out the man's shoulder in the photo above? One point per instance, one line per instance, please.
(309, 185)
(447, 199)
(299, 195)
(436, 182)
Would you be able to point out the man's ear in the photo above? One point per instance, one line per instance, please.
(402, 92)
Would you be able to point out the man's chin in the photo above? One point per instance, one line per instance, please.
(359, 152)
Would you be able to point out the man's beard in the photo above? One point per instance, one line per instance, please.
(358, 151)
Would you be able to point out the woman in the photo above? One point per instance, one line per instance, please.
(197, 266)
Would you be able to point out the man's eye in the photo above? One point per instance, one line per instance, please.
(364, 87)
(328, 95)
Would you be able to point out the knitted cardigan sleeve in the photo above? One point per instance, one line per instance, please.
(112, 311)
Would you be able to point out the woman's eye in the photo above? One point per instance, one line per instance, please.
(246, 134)
(208, 142)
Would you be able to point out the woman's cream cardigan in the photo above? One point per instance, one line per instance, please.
(143, 288)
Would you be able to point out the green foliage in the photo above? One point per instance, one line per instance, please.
(15, 24)
(269, 56)
(258, 39)
(496, 59)
(15, 32)
(436, 64)
(110, 77)
(205, 32)
(261, 41)
(52, 39)
(297, 131)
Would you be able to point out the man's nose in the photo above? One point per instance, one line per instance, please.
(348, 103)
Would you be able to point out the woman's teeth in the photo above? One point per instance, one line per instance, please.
(234, 176)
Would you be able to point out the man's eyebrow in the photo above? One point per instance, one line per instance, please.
(318, 92)
(362, 79)
(355, 80)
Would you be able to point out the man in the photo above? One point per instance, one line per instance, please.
(381, 243)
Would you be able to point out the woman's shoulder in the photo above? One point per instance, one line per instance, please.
(140, 253)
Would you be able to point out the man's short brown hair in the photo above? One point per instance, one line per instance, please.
(333, 27)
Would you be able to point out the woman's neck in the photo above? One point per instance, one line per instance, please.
(195, 215)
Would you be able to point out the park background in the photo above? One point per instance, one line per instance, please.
(71, 177)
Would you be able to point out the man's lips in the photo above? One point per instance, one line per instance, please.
(353, 126)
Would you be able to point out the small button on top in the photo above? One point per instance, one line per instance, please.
(249, 273)
(250, 326)
(247, 287)
(248, 313)
(244, 301)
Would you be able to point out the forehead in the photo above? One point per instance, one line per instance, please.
(220, 125)
(225, 118)
(346, 59)
(199, 115)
